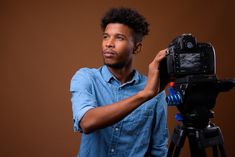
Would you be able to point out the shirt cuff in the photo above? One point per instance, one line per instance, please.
(77, 118)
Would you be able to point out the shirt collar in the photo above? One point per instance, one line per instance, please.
(107, 75)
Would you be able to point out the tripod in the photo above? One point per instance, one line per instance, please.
(195, 97)
(199, 139)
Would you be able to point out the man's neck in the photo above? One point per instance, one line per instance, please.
(124, 74)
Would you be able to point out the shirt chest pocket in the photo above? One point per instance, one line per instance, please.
(138, 121)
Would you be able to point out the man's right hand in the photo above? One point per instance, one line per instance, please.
(152, 86)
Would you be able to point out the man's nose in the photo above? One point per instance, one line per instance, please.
(110, 43)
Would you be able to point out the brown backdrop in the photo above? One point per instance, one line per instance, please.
(42, 44)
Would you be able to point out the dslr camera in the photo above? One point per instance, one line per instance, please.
(187, 57)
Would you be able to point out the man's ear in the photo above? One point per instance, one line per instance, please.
(137, 48)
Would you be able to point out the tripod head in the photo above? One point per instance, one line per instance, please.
(195, 97)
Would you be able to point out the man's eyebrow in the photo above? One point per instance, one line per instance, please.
(104, 33)
(117, 34)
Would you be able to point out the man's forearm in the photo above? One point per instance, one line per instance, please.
(104, 116)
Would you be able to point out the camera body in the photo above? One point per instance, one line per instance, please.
(187, 57)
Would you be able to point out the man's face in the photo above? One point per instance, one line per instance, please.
(117, 45)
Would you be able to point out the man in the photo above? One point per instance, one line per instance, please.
(119, 111)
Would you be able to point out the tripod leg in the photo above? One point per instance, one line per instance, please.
(195, 151)
(219, 141)
(193, 144)
(177, 142)
(177, 152)
(171, 149)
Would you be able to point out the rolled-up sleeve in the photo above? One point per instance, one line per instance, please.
(81, 96)
(159, 140)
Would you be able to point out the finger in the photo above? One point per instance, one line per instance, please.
(163, 53)
(167, 52)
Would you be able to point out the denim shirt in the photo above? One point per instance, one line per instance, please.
(143, 132)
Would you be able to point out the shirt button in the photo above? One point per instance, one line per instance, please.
(116, 129)
(112, 150)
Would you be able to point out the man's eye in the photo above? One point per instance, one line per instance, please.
(120, 38)
(105, 36)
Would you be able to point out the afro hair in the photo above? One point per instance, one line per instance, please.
(129, 17)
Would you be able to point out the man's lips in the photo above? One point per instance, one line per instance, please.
(109, 53)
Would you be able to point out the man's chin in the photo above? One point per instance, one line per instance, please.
(115, 65)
